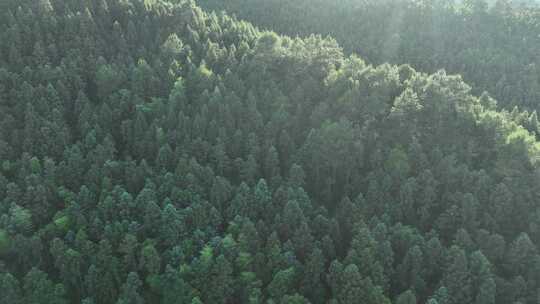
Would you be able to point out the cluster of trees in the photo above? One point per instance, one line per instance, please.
(155, 153)
(492, 44)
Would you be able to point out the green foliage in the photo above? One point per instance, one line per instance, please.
(130, 294)
(492, 48)
(398, 162)
(10, 291)
(281, 283)
(4, 241)
(156, 153)
(406, 298)
(62, 222)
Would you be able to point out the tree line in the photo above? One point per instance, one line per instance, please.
(492, 44)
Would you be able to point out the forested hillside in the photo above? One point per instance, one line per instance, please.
(493, 46)
(152, 152)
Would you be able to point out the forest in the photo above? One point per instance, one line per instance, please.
(162, 152)
(492, 44)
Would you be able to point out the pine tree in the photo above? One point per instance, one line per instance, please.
(10, 291)
(130, 293)
(457, 277)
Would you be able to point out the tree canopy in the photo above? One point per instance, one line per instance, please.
(154, 152)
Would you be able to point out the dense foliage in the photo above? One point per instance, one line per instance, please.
(495, 47)
(154, 153)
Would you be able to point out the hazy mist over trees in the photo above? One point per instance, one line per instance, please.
(494, 46)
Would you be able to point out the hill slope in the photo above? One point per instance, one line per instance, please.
(155, 153)
(493, 47)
